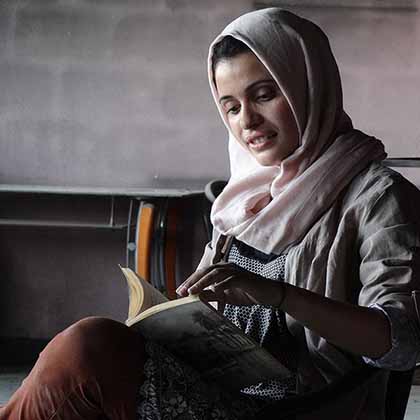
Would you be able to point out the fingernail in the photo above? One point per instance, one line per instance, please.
(181, 290)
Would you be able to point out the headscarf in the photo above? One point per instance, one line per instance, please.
(295, 194)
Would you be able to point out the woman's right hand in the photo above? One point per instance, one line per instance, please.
(229, 283)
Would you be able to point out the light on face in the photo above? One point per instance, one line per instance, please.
(255, 110)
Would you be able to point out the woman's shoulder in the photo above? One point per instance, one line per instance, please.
(379, 189)
(378, 180)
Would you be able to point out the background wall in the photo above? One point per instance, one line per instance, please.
(108, 93)
(115, 93)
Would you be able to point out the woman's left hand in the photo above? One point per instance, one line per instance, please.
(229, 283)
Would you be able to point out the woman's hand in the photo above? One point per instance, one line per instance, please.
(360, 330)
(229, 283)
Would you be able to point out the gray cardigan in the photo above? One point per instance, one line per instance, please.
(364, 250)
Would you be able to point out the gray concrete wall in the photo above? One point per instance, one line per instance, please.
(114, 93)
(108, 93)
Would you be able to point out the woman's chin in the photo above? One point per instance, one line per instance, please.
(272, 157)
(267, 160)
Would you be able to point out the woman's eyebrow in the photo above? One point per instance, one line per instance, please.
(248, 88)
(259, 82)
(225, 98)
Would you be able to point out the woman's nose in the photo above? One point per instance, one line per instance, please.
(250, 118)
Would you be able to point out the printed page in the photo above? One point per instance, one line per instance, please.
(142, 295)
(197, 334)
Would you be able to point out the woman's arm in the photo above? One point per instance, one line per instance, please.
(360, 330)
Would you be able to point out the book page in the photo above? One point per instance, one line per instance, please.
(201, 337)
(161, 307)
(142, 295)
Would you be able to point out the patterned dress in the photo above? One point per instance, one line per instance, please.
(173, 390)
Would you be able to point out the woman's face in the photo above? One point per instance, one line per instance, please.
(256, 111)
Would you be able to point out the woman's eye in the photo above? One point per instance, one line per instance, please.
(233, 110)
(265, 96)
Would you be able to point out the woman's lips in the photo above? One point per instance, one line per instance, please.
(261, 142)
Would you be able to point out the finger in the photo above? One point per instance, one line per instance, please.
(216, 275)
(231, 286)
(209, 295)
(221, 298)
(197, 275)
(227, 283)
(221, 304)
(263, 291)
(182, 289)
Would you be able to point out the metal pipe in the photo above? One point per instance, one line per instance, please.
(60, 224)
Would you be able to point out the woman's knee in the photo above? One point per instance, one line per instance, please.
(93, 361)
(94, 332)
(94, 342)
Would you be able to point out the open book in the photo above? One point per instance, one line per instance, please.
(193, 331)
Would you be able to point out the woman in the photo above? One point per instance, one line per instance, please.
(315, 251)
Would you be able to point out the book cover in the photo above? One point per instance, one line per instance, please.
(197, 334)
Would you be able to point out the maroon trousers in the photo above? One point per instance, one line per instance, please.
(90, 371)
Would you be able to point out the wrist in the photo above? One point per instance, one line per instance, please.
(282, 298)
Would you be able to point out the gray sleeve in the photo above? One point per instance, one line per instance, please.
(390, 270)
(405, 341)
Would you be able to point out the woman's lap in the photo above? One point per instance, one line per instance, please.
(173, 390)
(99, 367)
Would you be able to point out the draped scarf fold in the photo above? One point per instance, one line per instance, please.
(272, 207)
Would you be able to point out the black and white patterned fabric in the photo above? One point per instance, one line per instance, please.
(264, 324)
(172, 390)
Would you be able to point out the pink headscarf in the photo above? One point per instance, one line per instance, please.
(330, 153)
